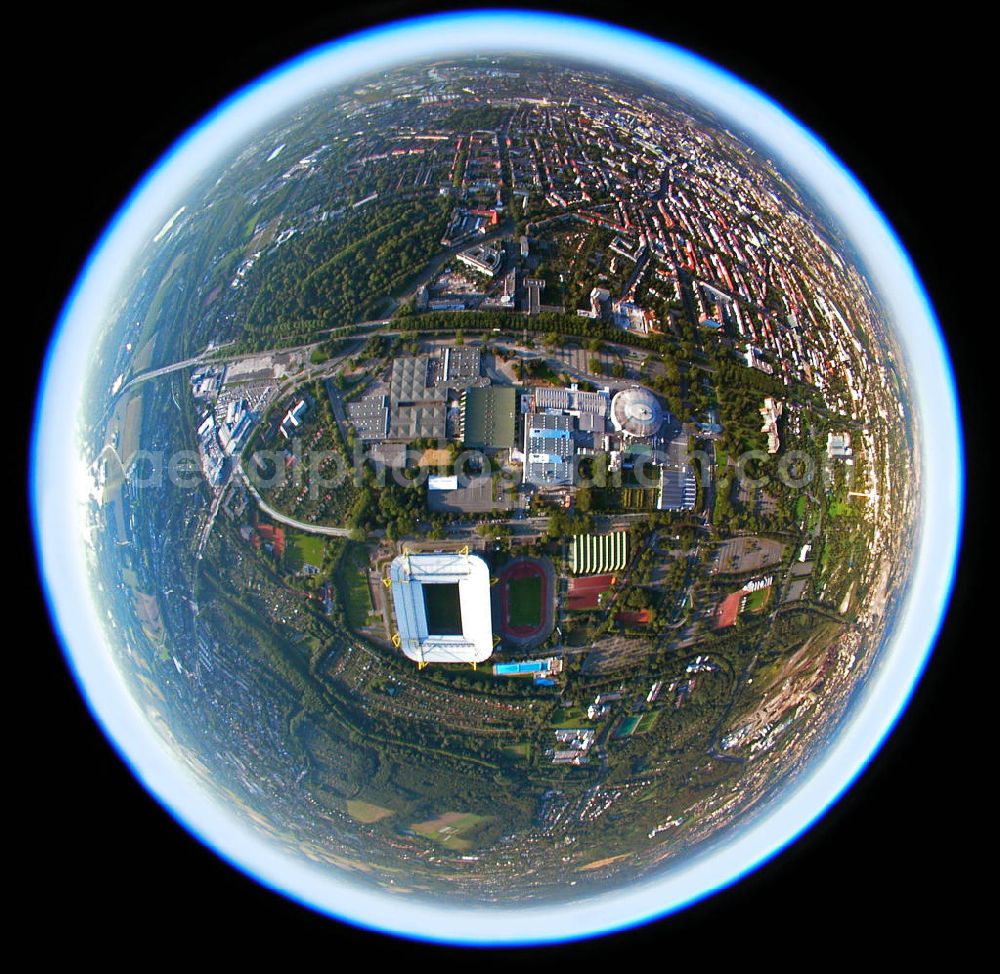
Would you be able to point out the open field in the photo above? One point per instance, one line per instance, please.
(129, 418)
(648, 721)
(305, 549)
(435, 457)
(757, 600)
(448, 829)
(367, 812)
(518, 750)
(148, 611)
(570, 718)
(598, 863)
(353, 583)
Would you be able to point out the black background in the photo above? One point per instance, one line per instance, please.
(106, 97)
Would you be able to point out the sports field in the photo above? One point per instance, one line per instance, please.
(648, 721)
(443, 608)
(352, 576)
(525, 605)
(757, 600)
(728, 610)
(524, 601)
(304, 549)
(586, 592)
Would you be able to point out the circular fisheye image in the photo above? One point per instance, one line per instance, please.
(482, 479)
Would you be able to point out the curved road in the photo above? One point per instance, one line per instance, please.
(284, 518)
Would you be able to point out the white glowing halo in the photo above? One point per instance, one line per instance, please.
(57, 468)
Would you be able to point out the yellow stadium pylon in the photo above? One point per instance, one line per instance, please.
(421, 664)
(474, 664)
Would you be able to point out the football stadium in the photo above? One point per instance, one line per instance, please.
(442, 606)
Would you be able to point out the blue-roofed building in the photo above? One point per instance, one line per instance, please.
(548, 450)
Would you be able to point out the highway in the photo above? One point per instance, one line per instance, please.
(310, 372)
(208, 357)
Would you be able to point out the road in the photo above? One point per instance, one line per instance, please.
(325, 529)
(310, 372)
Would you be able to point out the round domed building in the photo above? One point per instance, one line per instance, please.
(636, 413)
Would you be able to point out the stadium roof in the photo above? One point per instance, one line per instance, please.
(412, 574)
(571, 400)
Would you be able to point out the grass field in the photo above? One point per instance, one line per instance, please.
(518, 750)
(838, 508)
(566, 718)
(304, 549)
(130, 430)
(354, 585)
(443, 609)
(757, 600)
(648, 721)
(449, 828)
(524, 601)
(367, 812)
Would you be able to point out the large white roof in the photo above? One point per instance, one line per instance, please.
(636, 412)
(410, 573)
